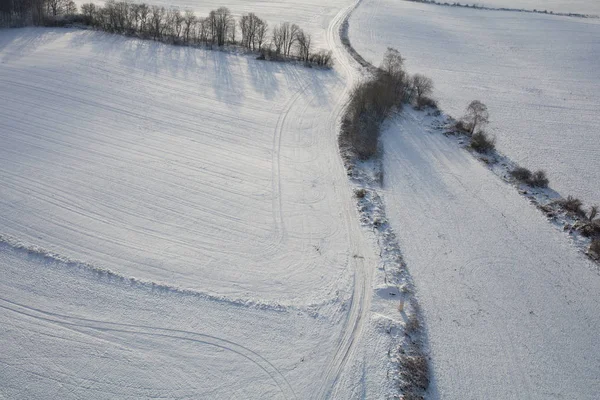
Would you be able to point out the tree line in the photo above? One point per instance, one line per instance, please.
(285, 41)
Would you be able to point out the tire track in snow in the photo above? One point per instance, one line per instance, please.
(361, 296)
(82, 324)
(276, 161)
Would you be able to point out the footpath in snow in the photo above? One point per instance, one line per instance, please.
(511, 307)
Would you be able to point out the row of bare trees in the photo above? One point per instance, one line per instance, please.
(26, 12)
(285, 41)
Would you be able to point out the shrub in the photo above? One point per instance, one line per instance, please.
(572, 205)
(591, 229)
(426, 102)
(482, 143)
(594, 249)
(412, 324)
(592, 213)
(360, 193)
(322, 58)
(539, 179)
(371, 101)
(521, 174)
(462, 126)
(415, 373)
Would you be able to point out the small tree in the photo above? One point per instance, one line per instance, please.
(422, 85)
(303, 42)
(592, 213)
(539, 179)
(482, 143)
(392, 74)
(477, 116)
(393, 62)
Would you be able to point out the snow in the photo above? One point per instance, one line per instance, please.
(177, 223)
(198, 169)
(510, 305)
(537, 74)
(67, 332)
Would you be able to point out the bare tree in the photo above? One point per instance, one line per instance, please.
(204, 30)
(261, 33)
(477, 116)
(157, 16)
(278, 39)
(189, 22)
(393, 73)
(393, 62)
(176, 24)
(290, 37)
(303, 42)
(70, 7)
(143, 11)
(422, 85)
(284, 37)
(220, 22)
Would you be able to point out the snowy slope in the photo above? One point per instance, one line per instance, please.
(538, 75)
(511, 308)
(194, 168)
(69, 333)
(210, 186)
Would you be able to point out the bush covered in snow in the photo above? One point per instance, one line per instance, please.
(482, 142)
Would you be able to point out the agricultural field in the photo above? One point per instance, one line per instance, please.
(181, 207)
(536, 73)
(508, 302)
(189, 221)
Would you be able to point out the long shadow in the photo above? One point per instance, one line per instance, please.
(16, 43)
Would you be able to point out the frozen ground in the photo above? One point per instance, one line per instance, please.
(511, 307)
(209, 185)
(538, 75)
(195, 168)
(69, 333)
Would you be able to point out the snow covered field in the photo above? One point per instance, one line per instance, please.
(218, 184)
(212, 179)
(67, 333)
(177, 223)
(511, 307)
(538, 75)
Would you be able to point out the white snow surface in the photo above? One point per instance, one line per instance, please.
(510, 305)
(198, 169)
(537, 73)
(177, 223)
(68, 333)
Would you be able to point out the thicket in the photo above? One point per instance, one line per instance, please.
(285, 41)
(372, 101)
(535, 179)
